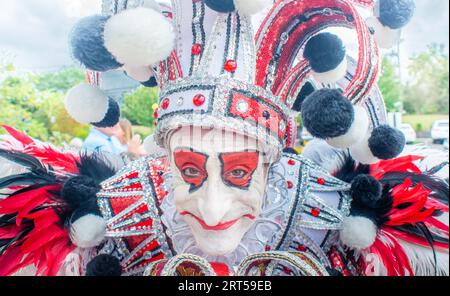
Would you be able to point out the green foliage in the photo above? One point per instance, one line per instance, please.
(28, 106)
(60, 81)
(137, 106)
(428, 91)
(390, 85)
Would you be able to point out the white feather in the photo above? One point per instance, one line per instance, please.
(139, 37)
(359, 127)
(422, 260)
(86, 103)
(358, 232)
(138, 73)
(88, 231)
(385, 36)
(249, 7)
(332, 76)
(361, 151)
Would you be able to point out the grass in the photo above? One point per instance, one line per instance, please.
(423, 122)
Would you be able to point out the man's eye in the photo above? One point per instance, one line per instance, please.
(238, 174)
(191, 172)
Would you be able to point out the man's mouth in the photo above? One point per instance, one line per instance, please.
(219, 227)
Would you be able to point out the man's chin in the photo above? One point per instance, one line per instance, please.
(219, 243)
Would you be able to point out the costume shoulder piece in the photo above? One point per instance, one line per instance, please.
(129, 202)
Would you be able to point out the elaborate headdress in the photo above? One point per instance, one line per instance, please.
(213, 72)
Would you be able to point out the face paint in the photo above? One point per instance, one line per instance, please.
(219, 180)
(238, 168)
(192, 166)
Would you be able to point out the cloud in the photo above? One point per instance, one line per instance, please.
(35, 32)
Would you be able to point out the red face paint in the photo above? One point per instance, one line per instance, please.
(192, 166)
(238, 168)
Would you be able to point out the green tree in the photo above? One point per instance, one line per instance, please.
(390, 85)
(428, 89)
(137, 106)
(60, 81)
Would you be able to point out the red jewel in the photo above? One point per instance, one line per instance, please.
(290, 185)
(321, 181)
(301, 248)
(197, 49)
(199, 100)
(267, 248)
(165, 103)
(155, 115)
(315, 212)
(291, 162)
(230, 66)
(286, 270)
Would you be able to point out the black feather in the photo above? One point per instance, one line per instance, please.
(26, 179)
(95, 167)
(22, 159)
(350, 170)
(426, 232)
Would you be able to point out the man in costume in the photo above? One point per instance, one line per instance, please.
(225, 194)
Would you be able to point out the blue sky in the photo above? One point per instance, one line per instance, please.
(33, 33)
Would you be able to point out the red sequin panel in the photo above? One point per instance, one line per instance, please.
(281, 18)
(122, 203)
(256, 111)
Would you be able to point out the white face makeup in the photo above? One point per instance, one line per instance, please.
(219, 183)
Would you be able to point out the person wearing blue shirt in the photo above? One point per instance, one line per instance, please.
(105, 140)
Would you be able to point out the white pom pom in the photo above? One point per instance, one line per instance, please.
(88, 231)
(139, 37)
(334, 75)
(359, 127)
(361, 151)
(152, 148)
(140, 73)
(249, 7)
(86, 103)
(385, 36)
(358, 232)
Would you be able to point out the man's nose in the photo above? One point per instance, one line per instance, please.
(214, 205)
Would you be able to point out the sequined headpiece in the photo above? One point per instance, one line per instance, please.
(219, 75)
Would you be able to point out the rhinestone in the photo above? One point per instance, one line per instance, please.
(290, 185)
(301, 248)
(165, 104)
(321, 181)
(230, 66)
(148, 255)
(242, 106)
(291, 162)
(197, 49)
(137, 218)
(315, 212)
(282, 126)
(180, 101)
(155, 114)
(199, 100)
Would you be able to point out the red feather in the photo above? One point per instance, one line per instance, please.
(19, 136)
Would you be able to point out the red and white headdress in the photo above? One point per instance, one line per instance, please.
(213, 72)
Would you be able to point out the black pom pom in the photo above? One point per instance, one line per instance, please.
(221, 5)
(327, 114)
(104, 265)
(386, 142)
(324, 52)
(150, 83)
(306, 90)
(366, 190)
(395, 14)
(112, 115)
(78, 190)
(88, 46)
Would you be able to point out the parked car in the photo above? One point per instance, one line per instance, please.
(409, 132)
(439, 131)
(446, 143)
